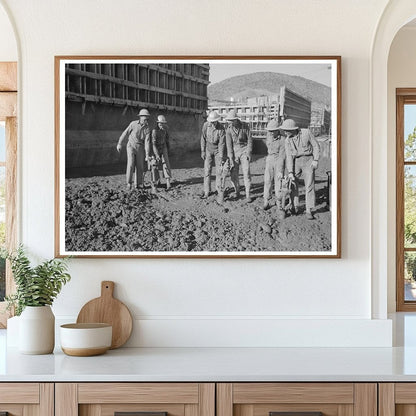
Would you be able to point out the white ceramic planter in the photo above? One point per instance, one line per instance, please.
(37, 330)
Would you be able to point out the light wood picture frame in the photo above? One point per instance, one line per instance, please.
(218, 129)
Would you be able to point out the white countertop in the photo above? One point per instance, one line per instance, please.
(215, 364)
(222, 364)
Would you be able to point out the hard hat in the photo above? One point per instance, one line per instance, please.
(161, 119)
(144, 113)
(232, 115)
(289, 124)
(272, 125)
(213, 116)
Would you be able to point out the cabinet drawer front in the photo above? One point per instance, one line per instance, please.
(138, 393)
(341, 393)
(27, 393)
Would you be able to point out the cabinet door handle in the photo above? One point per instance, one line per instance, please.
(139, 414)
(295, 413)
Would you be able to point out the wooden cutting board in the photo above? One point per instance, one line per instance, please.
(108, 310)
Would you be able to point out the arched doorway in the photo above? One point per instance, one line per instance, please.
(396, 15)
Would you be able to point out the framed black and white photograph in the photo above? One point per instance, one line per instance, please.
(198, 156)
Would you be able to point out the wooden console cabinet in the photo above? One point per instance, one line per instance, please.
(208, 399)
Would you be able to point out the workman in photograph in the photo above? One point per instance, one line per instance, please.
(137, 135)
(213, 152)
(160, 148)
(239, 150)
(302, 151)
(275, 168)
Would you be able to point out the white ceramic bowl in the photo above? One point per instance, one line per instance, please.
(83, 340)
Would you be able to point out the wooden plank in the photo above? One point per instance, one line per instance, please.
(341, 393)
(405, 410)
(8, 76)
(190, 410)
(31, 410)
(90, 410)
(386, 399)
(66, 399)
(365, 399)
(405, 393)
(224, 399)
(207, 399)
(346, 410)
(405, 91)
(246, 410)
(138, 393)
(8, 105)
(47, 399)
(23, 393)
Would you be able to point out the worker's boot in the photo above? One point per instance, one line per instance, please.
(168, 185)
(309, 214)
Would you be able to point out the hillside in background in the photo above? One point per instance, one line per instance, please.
(267, 83)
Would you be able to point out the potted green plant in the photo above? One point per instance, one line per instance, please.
(36, 289)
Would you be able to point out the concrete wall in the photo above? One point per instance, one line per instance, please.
(91, 137)
(268, 302)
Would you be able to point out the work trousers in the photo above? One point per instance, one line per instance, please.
(303, 167)
(135, 162)
(241, 158)
(274, 172)
(163, 164)
(211, 157)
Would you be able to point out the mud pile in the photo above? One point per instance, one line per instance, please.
(101, 215)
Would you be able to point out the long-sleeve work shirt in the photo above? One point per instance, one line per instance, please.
(213, 138)
(239, 138)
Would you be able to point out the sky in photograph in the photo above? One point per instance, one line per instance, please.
(316, 72)
(409, 119)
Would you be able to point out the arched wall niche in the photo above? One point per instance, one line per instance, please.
(396, 15)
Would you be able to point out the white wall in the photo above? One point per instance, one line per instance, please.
(401, 74)
(8, 46)
(293, 302)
